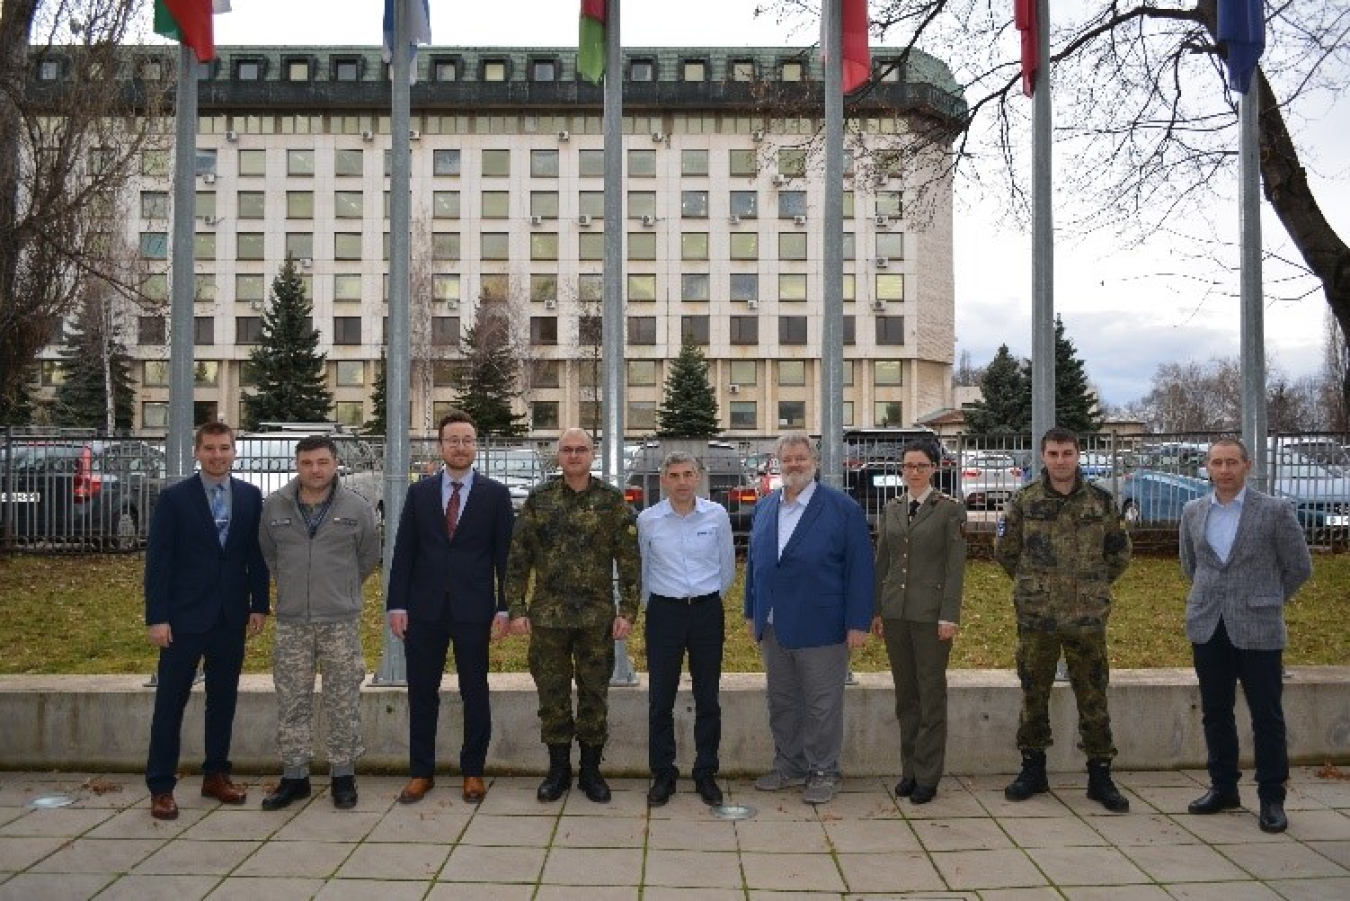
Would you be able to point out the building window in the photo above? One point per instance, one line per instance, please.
(791, 70)
(150, 330)
(445, 162)
(346, 329)
(154, 245)
(744, 330)
(890, 286)
(888, 413)
(641, 288)
(792, 287)
(642, 70)
(744, 372)
(445, 331)
(744, 245)
(792, 330)
(496, 163)
(155, 163)
(349, 412)
(49, 70)
(545, 374)
(850, 339)
(543, 330)
(591, 246)
(543, 246)
(641, 415)
(850, 246)
(203, 330)
(743, 162)
(154, 205)
(347, 70)
(744, 286)
(247, 329)
(154, 415)
(494, 287)
(495, 246)
(642, 245)
(745, 204)
(543, 70)
(495, 70)
(792, 245)
(544, 163)
(641, 204)
(251, 205)
(349, 204)
(694, 245)
(445, 245)
(693, 162)
(543, 287)
(887, 373)
(154, 287)
(253, 162)
(890, 330)
(590, 288)
(249, 70)
(204, 245)
(445, 70)
(300, 245)
(591, 203)
(694, 70)
(347, 288)
(591, 163)
(642, 330)
(347, 246)
(155, 374)
(299, 162)
(544, 415)
(299, 204)
(205, 204)
(642, 164)
(445, 287)
(694, 330)
(445, 204)
(52, 373)
(694, 286)
(792, 414)
(544, 204)
(742, 70)
(496, 204)
(792, 162)
(643, 373)
(349, 163)
(206, 374)
(792, 373)
(791, 204)
(248, 288)
(297, 70)
(694, 204)
(888, 204)
(891, 245)
(744, 415)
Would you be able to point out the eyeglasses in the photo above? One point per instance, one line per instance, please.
(459, 442)
(916, 467)
(574, 450)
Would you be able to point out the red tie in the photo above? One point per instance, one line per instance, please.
(452, 510)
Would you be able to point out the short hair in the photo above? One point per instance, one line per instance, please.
(788, 439)
(1059, 435)
(453, 417)
(211, 428)
(922, 446)
(679, 458)
(1231, 441)
(316, 442)
(587, 435)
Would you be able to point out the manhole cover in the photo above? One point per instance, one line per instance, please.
(46, 801)
(733, 812)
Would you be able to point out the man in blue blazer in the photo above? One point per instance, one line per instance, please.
(447, 587)
(205, 586)
(1246, 555)
(808, 603)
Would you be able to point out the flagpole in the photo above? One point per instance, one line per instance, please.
(832, 256)
(612, 327)
(1253, 351)
(178, 442)
(1042, 241)
(393, 663)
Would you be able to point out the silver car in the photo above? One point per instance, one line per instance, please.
(989, 480)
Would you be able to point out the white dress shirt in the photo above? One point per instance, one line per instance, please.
(686, 556)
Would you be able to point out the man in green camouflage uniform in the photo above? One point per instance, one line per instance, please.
(569, 536)
(1063, 543)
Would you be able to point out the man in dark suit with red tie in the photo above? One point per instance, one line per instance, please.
(446, 589)
(205, 584)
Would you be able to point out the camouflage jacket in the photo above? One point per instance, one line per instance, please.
(1063, 551)
(569, 541)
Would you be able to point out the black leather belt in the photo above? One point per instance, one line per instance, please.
(710, 596)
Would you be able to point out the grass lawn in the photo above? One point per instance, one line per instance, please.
(85, 615)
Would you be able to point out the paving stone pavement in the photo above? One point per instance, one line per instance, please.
(968, 844)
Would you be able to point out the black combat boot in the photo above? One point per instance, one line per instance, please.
(559, 778)
(1102, 789)
(589, 780)
(1031, 781)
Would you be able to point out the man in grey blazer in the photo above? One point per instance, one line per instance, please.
(1245, 555)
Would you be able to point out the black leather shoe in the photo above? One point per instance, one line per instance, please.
(922, 794)
(663, 786)
(343, 790)
(707, 789)
(1272, 818)
(905, 787)
(1214, 801)
(287, 790)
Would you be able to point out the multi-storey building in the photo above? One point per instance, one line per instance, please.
(722, 227)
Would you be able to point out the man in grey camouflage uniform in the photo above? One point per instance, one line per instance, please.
(320, 542)
(570, 535)
(1063, 543)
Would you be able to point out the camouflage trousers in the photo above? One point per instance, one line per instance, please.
(556, 656)
(1089, 673)
(334, 648)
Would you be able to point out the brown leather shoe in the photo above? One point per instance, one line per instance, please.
(163, 806)
(415, 790)
(219, 786)
(474, 789)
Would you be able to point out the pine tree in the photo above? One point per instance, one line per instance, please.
(291, 385)
(689, 408)
(377, 424)
(1075, 401)
(95, 358)
(487, 379)
(1005, 405)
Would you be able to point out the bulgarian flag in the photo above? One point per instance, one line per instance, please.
(1024, 17)
(189, 22)
(591, 45)
(857, 56)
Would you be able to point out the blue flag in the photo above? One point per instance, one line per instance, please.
(1242, 29)
(418, 15)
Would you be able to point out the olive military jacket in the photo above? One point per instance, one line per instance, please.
(921, 565)
(570, 541)
(1062, 551)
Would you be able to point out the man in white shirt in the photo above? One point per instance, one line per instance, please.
(688, 563)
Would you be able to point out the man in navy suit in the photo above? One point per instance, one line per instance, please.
(447, 588)
(1246, 555)
(205, 586)
(808, 603)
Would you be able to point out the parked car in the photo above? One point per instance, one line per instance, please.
(518, 468)
(872, 485)
(267, 460)
(988, 480)
(84, 493)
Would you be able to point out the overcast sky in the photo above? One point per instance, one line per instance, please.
(1126, 311)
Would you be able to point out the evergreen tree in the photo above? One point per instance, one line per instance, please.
(1005, 405)
(291, 384)
(17, 409)
(95, 359)
(377, 424)
(487, 379)
(689, 408)
(1075, 401)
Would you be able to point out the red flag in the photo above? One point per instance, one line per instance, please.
(857, 57)
(1024, 17)
(188, 21)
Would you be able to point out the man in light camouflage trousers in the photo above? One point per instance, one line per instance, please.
(320, 542)
(570, 535)
(1063, 543)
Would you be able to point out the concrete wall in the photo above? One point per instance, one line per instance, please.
(101, 723)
